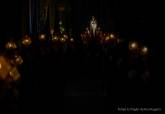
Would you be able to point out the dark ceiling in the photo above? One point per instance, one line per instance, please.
(132, 19)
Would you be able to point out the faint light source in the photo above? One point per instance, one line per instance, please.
(72, 40)
(54, 38)
(14, 74)
(42, 37)
(17, 60)
(118, 40)
(62, 39)
(61, 7)
(133, 46)
(107, 38)
(26, 40)
(112, 36)
(52, 31)
(11, 45)
(144, 50)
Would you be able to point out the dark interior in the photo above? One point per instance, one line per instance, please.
(88, 80)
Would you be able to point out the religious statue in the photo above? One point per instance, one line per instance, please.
(93, 25)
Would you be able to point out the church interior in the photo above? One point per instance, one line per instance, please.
(80, 56)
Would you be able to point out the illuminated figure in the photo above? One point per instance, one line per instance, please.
(93, 25)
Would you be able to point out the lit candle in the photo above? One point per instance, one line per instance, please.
(144, 50)
(133, 45)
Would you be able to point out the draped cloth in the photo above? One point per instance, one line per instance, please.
(51, 14)
(43, 14)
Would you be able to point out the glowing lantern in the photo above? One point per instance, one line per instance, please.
(11, 45)
(65, 36)
(62, 39)
(133, 46)
(144, 50)
(18, 60)
(112, 36)
(71, 40)
(42, 37)
(107, 38)
(54, 38)
(26, 41)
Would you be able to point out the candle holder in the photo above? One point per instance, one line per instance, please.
(26, 40)
(10, 45)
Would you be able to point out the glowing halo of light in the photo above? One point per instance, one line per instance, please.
(55, 38)
(52, 31)
(42, 37)
(26, 41)
(11, 45)
(62, 40)
(144, 50)
(71, 40)
(112, 36)
(133, 45)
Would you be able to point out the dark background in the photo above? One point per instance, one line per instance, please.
(131, 19)
(136, 19)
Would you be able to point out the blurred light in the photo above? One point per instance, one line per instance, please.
(62, 39)
(62, 29)
(107, 38)
(42, 37)
(60, 22)
(11, 45)
(52, 31)
(26, 40)
(18, 60)
(4, 68)
(14, 74)
(112, 36)
(118, 40)
(87, 30)
(55, 38)
(61, 7)
(65, 36)
(133, 45)
(72, 40)
(144, 50)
